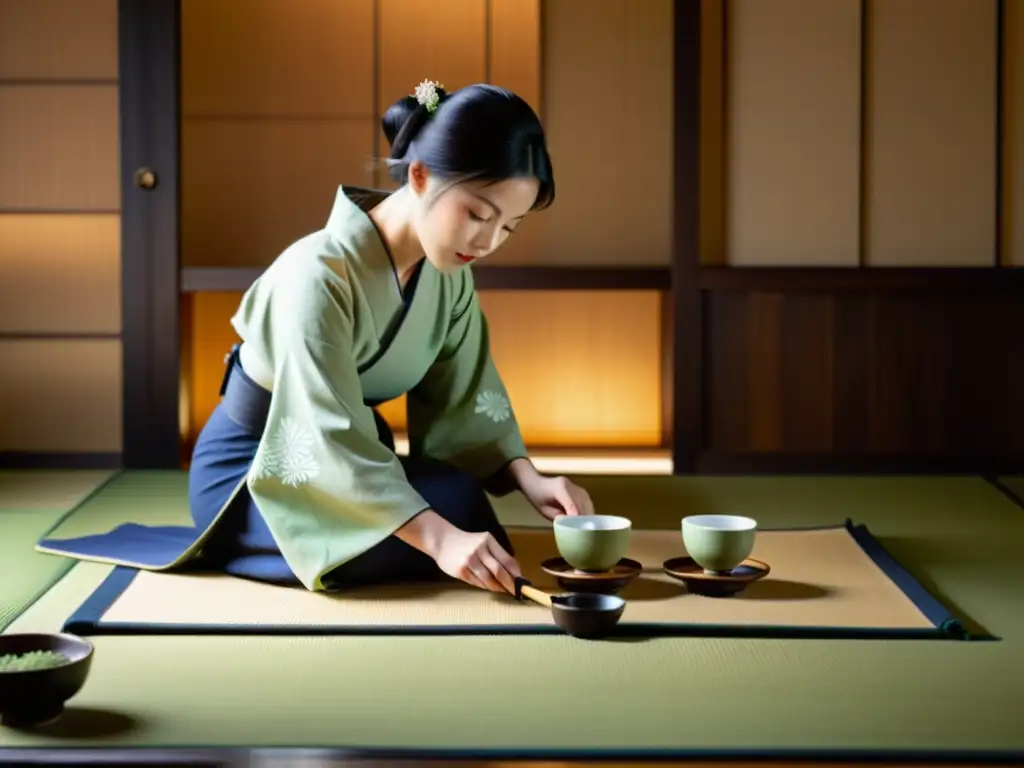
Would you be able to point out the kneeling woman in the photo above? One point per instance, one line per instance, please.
(294, 479)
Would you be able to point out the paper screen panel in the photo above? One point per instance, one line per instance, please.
(930, 149)
(607, 85)
(58, 39)
(515, 63)
(59, 148)
(60, 395)
(1013, 144)
(248, 58)
(582, 368)
(793, 132)
(60, 273)
(251, 188)
(256, 134)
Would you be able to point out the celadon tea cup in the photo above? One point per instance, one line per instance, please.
(592, 543)
(719, 543)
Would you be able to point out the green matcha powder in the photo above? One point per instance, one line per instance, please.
(23, 662)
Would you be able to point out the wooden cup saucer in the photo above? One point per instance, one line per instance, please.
(715, 585)
(601, 582)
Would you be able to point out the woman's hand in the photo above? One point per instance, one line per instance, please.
(557, 496)
(477, 559)
(551, 496)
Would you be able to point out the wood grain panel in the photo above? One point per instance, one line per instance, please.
(61, 396)
(59, 148)
(1013, 125)
(444, 41)
(549, 346)
(251, 188)
(266, 57)
(712, 132)
(515, 49)
(207, 336)
(793, 133)
(58, 39)
(930, 150)
(608, 112)
(61, 273)
(853, 374)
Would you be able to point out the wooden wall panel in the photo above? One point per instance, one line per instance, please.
(857, 373)
(550, 359)
(60, 396)
(515, 48)
(58, 40)
(59, 148)
(931, 131)
(444, 41)
(251, 188)
(608, 99)
(60, 273)
(712, 132)
(1013, 126)
(250, 58)
(278, 106)
(793, 132)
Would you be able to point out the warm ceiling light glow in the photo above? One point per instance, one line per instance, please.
(615, 462)
(603, 465)
(184, 409)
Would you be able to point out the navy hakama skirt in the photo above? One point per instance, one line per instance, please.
(240, 543)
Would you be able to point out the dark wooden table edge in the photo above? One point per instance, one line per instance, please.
(234, 756)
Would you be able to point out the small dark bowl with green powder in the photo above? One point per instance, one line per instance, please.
(38, 674)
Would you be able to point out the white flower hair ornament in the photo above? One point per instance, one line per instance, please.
(428, 95)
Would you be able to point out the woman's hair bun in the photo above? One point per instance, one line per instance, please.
(404, 119)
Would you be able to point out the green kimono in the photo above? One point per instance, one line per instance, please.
(326, 329)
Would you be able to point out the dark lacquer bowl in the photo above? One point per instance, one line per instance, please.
(32, 694)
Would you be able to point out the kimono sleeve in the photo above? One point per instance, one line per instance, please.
(460, 411)
(326, 486)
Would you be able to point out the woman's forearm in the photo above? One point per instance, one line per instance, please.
(523, 473)
(425, 532)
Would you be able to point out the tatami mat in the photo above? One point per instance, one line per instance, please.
(24, 575)
(158, 497)
(1015, 484)
(31, 502)
(560, 697)
(48, 489)
(827, 582)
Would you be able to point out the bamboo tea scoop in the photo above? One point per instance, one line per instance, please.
(585, 615)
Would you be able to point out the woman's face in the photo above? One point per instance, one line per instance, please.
(463, 223)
